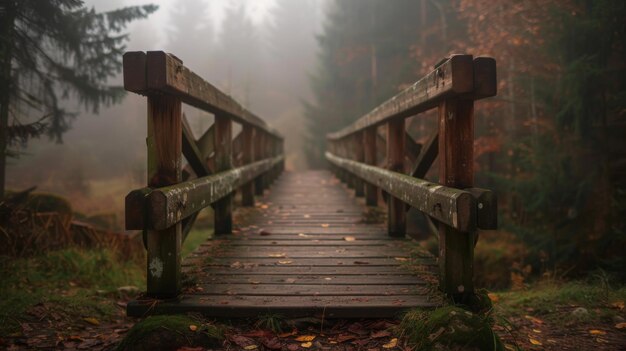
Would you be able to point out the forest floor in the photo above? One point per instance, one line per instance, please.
(75, 299)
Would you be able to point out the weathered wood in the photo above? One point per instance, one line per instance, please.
(456, 245)
(369, 141)
(454, 76)
(412, 149)
(192, 153)
(259, 154)
(426, 157)
(451, 206)
(359, 156)
(396, 213)
(165, 73)
(164, 168)
(134, 69)
(135, 208)
(485, 80)
(247, 189)
(169, 205)
(222, 208)
(486, 208)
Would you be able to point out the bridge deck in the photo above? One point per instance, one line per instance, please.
(305, 249)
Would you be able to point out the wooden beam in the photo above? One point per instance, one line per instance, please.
(451, 206)
(452, 77)
(486, 208)
(369, 141)
(247, 189)
(396, 213)
(169, 205)
(165, 73)
(192, 153)
(412, 149)
(427, 157)
(164, 169)
(223, 208)
(456, 245)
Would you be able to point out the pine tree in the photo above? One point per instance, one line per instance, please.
(52, 51)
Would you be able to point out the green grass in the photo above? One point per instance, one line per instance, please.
(551, 299)
(74, 282)
(194, 239)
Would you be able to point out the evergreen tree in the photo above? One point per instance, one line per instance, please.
(52, 51)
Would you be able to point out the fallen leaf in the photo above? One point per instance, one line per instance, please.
(278, 255)
(401, 259)
(250, 347)
(533, 319)
(285, 262)
(193, 327)
(74, 338)
(597, 332)
(380, 334)
(303, 235)
(620, 325)
(264, 232)
(391, 344)
(535, 341)
(92, 321)
(265, 207)
(305, 338)
(325, 225)
(284, 335)
(306, 345)
(290, 280)
(307, 216)
(349, 238)
(618, 304)
(493, 297)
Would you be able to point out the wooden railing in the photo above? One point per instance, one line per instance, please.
(454, 204)
(217, 164)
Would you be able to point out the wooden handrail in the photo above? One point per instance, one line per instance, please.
(167, 208)
(454, 204)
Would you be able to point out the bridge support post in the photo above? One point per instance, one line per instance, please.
(359, 156)
(396, 214)
(223, 162)
(456, 144)
(164, 143)
(369, 143)
(258, 155)
(247, 190)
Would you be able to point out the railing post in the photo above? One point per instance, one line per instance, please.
(456, 144)
(359, 156)
(164, 168)
(369, 142)
(396, 214)
(223, 161)
(247, 191)
(258, 156)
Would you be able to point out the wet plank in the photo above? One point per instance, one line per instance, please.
(303, 250)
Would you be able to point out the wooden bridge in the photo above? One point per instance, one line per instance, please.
(301, 243)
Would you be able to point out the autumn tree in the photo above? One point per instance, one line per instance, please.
(52, 51)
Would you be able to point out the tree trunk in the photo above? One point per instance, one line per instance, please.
(7, 20)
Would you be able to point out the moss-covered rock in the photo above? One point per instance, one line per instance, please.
(449, 328)
(171, 333)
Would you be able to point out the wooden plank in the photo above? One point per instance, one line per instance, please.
(451, 206)
(456, 245)
(199, 261)
(321, 280)
(164, 168)
(288, 270)
(253, 306)
(396, 213)
(310, 290)
(247, 189)
(166, 73)
(312, 242)
(453, 77)
(168, 205)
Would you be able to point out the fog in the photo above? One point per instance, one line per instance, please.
(259, 52)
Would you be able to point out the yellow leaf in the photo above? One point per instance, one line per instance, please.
(597, 332)
(250, 347)
(533, 319)
(401, 259)
(92, 321)
(493, 297)
(305, 338)
(349, 238)
(278, 255)
(265, 207)
(285, 262)
(193, 327)
(618, 304)
(325, 225)
(391, 344)
(303, 235)
(306, 345)
(620, 325)
(535, 341)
